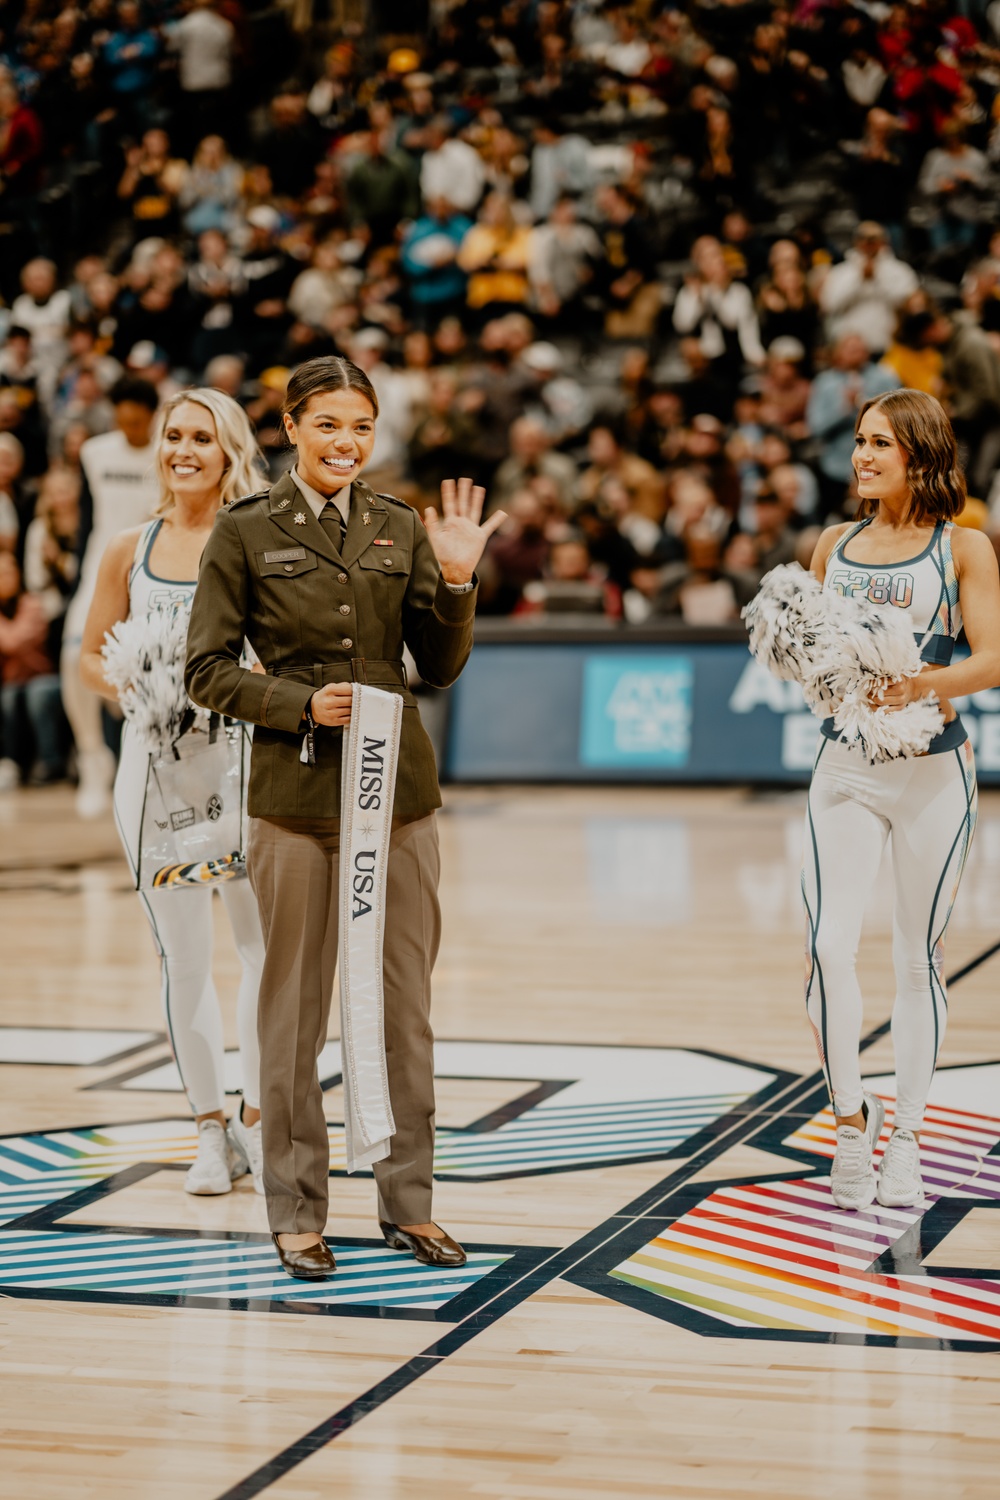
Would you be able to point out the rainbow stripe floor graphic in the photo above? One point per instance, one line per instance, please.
(778, 1255)
(42, 1175)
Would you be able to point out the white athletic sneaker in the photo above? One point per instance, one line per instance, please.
(217, 1162)
(852, 1181)
(899, 1181)
(10, 775)
(96, 769)
(246, 1140)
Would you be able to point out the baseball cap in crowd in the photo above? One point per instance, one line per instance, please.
(403, 60)
(274, 378)
(542, 357)
(145, 354)
(264, 217)
(787, 348)
(371, 338)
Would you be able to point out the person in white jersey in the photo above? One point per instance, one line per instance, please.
(205, 455)
(904, 553)
(119, 491)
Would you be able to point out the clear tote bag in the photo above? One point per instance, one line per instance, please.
(194, 814)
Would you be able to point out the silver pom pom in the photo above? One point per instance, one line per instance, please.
(144, 660)
(839, 650)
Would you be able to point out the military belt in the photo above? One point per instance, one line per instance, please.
(358, 669)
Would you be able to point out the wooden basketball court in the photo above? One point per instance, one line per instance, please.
(660, 1300)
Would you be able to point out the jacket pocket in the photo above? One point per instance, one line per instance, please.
(391, 562)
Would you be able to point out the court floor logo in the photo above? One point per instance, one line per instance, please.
(567, 1108)
(637, 711)
(773, 1256)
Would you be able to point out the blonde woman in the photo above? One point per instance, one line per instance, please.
(205, 456)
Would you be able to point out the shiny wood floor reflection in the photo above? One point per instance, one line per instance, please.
(607, 919)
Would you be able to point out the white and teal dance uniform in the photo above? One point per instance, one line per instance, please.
(181, 919)
(925, 807)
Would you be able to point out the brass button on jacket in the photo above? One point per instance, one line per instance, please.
(345, 609)
(289, 619)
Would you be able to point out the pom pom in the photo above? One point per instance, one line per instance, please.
(144, 660)
(840, 649)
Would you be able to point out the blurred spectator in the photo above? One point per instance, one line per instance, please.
(209, 194)
(837, 395)
(289, 143)
(864, 294)
(381, 189)
(130, 57)
(572, 583)
(719, 313)
(450, 168)
(51, 561)
(429, 256)
(786, 307)
(560, 167)
(443, 439)
(43, 308)
(33, 738)
(625, 274)
(119, 490)
(878, 174)
(912, 355)
(625, 486)
(216, 283)
(556, 398)
(531, 455)
(516, 554)
(971, 375)
(784, 390)
(150, 185)
(562, 259)
(953, 178)
(205, 43)
(12, 500)
(494, 255)
(21, 144)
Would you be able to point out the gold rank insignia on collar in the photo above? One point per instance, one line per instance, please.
(367, 518)
(299, 518)
(284, 504)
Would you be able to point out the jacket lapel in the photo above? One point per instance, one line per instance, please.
(360, 535)
(287, 502)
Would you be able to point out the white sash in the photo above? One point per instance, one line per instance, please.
(371, 749)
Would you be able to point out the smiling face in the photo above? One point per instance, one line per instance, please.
(879, 461)
(334, 433)
(192, 460)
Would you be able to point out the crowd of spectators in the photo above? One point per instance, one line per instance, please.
(633, 266)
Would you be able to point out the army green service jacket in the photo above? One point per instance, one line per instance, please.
(272, 575)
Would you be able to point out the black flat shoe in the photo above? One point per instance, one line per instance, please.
(424, 1247)
(315, 1263)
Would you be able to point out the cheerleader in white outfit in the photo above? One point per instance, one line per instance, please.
(205, 453)
(905, 553)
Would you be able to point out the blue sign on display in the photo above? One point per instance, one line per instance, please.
(593, 711)
(637, 711)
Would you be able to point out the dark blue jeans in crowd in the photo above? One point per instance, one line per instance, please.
(33, 724)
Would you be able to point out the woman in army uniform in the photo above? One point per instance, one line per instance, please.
(329, 581)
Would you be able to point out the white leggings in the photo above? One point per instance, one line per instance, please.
(182, 931)
(926, 807)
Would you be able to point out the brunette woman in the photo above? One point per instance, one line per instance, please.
(905, 553)
(329, 582)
